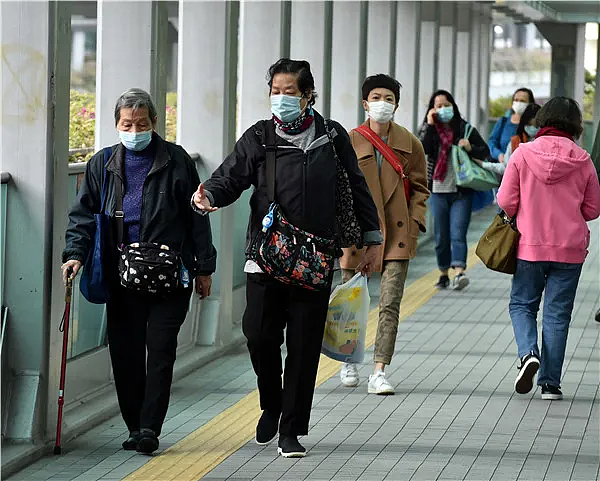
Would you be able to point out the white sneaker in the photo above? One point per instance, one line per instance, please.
(349, 375)
(460, 282)
(378, 384)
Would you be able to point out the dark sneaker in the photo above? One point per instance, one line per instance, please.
(443, 282)
(267, 428)
(551, 393)
(530, 364)
(148, 442)
(460, 282)
(289, 447)
(597, 316)
(130, 444)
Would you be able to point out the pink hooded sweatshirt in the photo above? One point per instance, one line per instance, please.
(552, 187)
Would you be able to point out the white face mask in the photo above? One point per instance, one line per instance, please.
(381, 112)
(519, 107)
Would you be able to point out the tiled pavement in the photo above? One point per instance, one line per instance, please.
(454, 417)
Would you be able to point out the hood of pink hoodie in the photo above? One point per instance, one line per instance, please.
(550, 158)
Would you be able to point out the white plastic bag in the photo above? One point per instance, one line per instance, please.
(346, 326)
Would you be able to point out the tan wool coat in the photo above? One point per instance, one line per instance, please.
(400, 224)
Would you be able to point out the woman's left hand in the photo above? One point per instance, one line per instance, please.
(465, 144)
(203, 286)
(478, 162)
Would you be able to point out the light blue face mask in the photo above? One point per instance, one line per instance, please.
(286, 107)
(445, 114)
(135, 140)
(531, 131)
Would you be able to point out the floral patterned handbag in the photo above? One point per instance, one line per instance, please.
(285, 252)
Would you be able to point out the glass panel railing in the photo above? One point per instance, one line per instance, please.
(88, 321)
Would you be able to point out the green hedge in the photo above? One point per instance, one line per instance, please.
(83, 121)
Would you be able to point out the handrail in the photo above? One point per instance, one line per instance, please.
(77, 168)
(5, 177)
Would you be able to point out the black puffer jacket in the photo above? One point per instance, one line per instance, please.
(166, 217)
(305, 181)
(430, 139)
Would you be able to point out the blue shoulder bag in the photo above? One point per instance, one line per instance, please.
(93, 283)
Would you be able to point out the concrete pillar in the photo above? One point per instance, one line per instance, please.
(428, 54)
(261, 46)
(158, 62)
(36, 48)
(346, 75)
(464, 60)
(310, 16)
(449, 22)
(486, 60)
(476, 64)
(568, 45)
(408, 47)
(206, 125)
(378, 38)
(122, 61)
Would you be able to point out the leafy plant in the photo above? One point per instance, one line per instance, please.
(498, 107)
(82, 123)
(589, 90)
(171, 117)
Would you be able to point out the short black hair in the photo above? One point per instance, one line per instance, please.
(381, 81)
(528, 115)
(528, 92)
(455, 122)
(300, 68)
(562, 113)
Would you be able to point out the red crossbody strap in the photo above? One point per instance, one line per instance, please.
(382, 147)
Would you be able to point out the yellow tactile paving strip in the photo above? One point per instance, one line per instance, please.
(199, 452)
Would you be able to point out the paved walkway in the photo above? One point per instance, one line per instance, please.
(455, 415)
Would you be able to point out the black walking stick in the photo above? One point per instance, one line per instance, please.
(64, 328)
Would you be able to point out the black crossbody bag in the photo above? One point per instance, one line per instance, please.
(145, 266)
(285, 252)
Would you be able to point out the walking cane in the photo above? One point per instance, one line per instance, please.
(64, 328)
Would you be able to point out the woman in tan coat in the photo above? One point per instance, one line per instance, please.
(401, 219)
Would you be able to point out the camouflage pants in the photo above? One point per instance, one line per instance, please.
(393, 278)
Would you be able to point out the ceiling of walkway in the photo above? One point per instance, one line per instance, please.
(569, 11)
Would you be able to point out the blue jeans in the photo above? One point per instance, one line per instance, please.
(559, 280)
(451, 216)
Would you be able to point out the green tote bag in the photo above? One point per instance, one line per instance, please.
(468, 174)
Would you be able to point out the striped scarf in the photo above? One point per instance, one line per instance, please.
(298, 125)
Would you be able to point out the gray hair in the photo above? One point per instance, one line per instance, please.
(135, 99)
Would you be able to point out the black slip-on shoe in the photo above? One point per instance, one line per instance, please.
(289, 447)
(266, 429)
(130, 444)
(148, 442)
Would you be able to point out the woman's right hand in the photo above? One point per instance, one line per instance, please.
(501, 158)
(74, 265)
(201, 200)
(431, 117)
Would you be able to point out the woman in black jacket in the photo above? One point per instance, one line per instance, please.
(305, 188)
(155, 180)
(442, 128)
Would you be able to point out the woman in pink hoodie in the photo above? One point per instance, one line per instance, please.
(551, 186)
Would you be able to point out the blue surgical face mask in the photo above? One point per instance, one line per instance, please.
(531, 131)
(286, 107)
(445, 114)
(135, 140)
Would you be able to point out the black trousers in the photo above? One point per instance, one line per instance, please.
(136, 323)
(272, 307)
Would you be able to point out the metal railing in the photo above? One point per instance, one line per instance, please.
(4, 365)
(587, 140)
